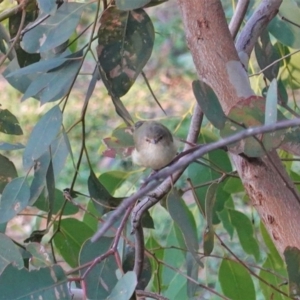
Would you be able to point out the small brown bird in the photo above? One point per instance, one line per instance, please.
(154, 145)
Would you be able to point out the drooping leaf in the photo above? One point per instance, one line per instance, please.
(14, 198)
(209, 103)
(24, 58)
(235, 281)
(244, 229)
(266, 54)
(275, 277)
(125, 42)
(70, 238)
(271, 103)
(9, 253)
(9, 124)
(55, 30)
(185, 220)
(128, 265)
(7, 172)
(124, 288)
(103, 200)
(292, 259)
(43, 283)
(50, 185)
(101, 280)
(210, 199)
(192, 271)
(42, 135)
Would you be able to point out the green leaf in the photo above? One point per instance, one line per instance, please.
(277, 260)
(284, 31)
(131, 4)
(209, 103)
(55, 30)
(125, 42)
(233, 185)
(103, 200)
(128, 265)
(185, 220)
(9, 253)
(9, 123)
(44, 283)
(101, 279)
(244, 229)
(266, 54)
(7, 172)
(42, 135)
(112, 180)
(50, 185)
(210, 199)
(39, 179)
(271, 103)
(192, 271)
(273, 274)
(235, 281)
(71, 236)
(42, 203)
(14, 199)
(292, 259)
(124, 288)
(225, 219)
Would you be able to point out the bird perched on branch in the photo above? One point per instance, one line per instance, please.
(154, 144)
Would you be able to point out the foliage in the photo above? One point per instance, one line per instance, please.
(210, 244)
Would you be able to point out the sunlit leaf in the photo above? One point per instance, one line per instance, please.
(271, 104)
(70, 238)
(40, 256)
(235, 281)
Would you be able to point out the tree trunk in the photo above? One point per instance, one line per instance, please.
(217, 62)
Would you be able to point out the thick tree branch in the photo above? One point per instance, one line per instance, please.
(217, 64)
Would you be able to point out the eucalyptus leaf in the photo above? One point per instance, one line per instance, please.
(42, 135)
(14, 198)
(9, 124)
(7, 172)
